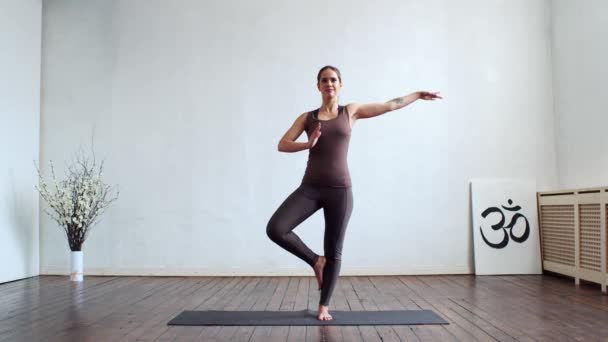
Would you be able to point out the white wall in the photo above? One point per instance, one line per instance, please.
(580, 50)
(20, 25)
(187, 101)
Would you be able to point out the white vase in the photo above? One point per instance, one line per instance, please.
(76, 268)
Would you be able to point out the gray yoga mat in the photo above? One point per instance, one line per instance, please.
(305, 317)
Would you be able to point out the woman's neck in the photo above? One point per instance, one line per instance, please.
(329, 105)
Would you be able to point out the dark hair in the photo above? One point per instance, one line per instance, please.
(328, 67)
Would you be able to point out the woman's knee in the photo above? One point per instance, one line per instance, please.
(273, 230)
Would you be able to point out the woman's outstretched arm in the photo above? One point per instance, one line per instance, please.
(366, 111)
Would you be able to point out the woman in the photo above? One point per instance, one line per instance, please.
(326, 183)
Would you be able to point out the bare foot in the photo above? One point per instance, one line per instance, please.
(324, 313)
(318, 268)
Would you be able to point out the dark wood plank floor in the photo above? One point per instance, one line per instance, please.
(488, 308)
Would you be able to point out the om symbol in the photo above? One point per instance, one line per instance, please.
(499, 225)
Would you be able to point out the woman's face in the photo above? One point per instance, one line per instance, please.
(329, 84)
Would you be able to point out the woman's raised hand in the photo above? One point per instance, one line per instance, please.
(429, 95)
(312, 141)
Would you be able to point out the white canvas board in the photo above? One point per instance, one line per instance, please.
(505, 227)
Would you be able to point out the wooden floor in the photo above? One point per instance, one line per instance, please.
(484, 308)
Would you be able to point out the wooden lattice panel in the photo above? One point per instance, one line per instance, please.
(589, 237)
(558, 233)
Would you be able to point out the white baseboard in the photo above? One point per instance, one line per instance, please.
(256, 272)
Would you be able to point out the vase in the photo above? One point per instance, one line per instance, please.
(76, 268)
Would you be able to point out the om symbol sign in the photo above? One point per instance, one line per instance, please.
(500, 225)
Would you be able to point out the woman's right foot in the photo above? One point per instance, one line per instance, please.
(318, 268)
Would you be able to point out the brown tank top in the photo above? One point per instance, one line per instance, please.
(327, 160)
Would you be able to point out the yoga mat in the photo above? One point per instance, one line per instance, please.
(305, 317)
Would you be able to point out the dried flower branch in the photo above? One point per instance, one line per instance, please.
(79, 200)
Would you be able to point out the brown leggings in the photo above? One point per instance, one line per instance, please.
(337, 204)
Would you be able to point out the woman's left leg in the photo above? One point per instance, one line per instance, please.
(337, 208)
